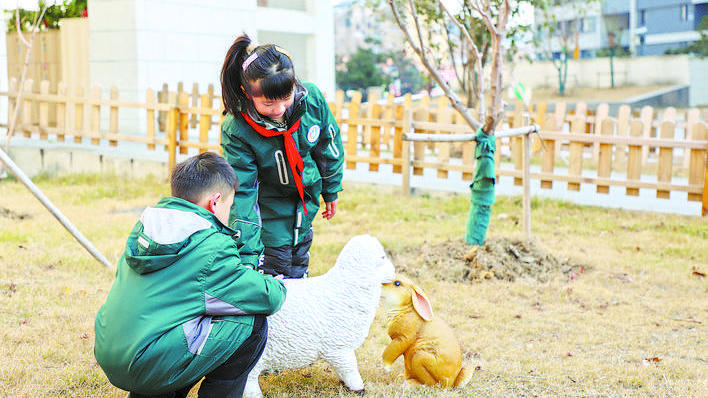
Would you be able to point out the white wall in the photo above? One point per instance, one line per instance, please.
(637, 71)
(698, 93)
(323, 19)
(141, 44)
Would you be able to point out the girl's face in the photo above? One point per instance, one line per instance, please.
(272, 108)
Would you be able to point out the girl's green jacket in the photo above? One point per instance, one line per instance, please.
(267, 209)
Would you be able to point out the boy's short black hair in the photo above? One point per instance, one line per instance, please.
(200, 174)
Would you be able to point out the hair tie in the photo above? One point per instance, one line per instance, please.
(282, 51)
(251, 47)
(249, 60)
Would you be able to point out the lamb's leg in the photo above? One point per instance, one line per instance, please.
(344, 363)
(253, 390)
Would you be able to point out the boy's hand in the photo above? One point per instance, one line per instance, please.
(330, 209)
(279, 277)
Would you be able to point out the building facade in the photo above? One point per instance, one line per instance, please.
(141, 44)
(668, 24)
(640, 27)
(356, 24)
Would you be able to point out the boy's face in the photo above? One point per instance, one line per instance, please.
(222, 207)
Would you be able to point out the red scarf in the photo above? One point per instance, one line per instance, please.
(294, 158)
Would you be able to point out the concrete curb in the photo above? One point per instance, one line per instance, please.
(58, 161)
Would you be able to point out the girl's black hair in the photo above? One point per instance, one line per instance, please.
(271, 66)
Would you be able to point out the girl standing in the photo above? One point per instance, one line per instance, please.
(284, 145)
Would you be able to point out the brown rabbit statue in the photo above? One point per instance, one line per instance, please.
(432, 355)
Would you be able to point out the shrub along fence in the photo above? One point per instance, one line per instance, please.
(632, 149)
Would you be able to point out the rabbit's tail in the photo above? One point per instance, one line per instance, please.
(463, 377)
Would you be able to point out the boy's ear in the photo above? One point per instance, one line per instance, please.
(213, 198)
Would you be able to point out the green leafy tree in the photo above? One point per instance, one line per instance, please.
(361, 71)
(410, 78)
(54, 13)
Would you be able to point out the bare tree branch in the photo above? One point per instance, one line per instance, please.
(462, 73)
(19, 28)
(417, 25)
(477, 59)
(459, 74)
(491, 105)
(454, 99)
(457, 23)
(486, 18)
(496, 110)
(20, 88)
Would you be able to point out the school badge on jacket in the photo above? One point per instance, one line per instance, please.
(313, 133)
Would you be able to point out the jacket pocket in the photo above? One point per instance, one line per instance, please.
(196, 332)
(227, 333)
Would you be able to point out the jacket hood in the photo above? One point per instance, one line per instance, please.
(166, 232)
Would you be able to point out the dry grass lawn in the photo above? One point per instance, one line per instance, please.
(634, 323)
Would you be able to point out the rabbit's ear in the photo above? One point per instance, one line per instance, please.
(422, 305)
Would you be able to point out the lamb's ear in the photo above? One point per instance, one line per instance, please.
(421, 304)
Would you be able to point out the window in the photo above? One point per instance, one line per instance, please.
(642, 17)
(684, 12)
(587, 25)
(563, 27)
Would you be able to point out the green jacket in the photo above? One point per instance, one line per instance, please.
(267, 208)
(181, 303)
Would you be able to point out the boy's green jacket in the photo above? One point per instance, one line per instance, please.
(267, 209)
(182, 301)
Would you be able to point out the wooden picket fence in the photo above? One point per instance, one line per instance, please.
(577, 147)
(78, 114)
(632, 144)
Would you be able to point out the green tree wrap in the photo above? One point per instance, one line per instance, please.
(481, 190)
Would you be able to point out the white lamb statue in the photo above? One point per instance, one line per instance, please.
(327, 316)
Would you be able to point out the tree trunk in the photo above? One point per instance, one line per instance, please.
(481, 189)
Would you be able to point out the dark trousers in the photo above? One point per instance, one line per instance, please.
(229, 379)
(289, 261)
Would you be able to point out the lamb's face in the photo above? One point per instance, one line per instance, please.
(365, 256)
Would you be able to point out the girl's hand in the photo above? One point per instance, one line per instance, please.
(330, 209)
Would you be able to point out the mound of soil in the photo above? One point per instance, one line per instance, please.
(7, 213)
(499, 258)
